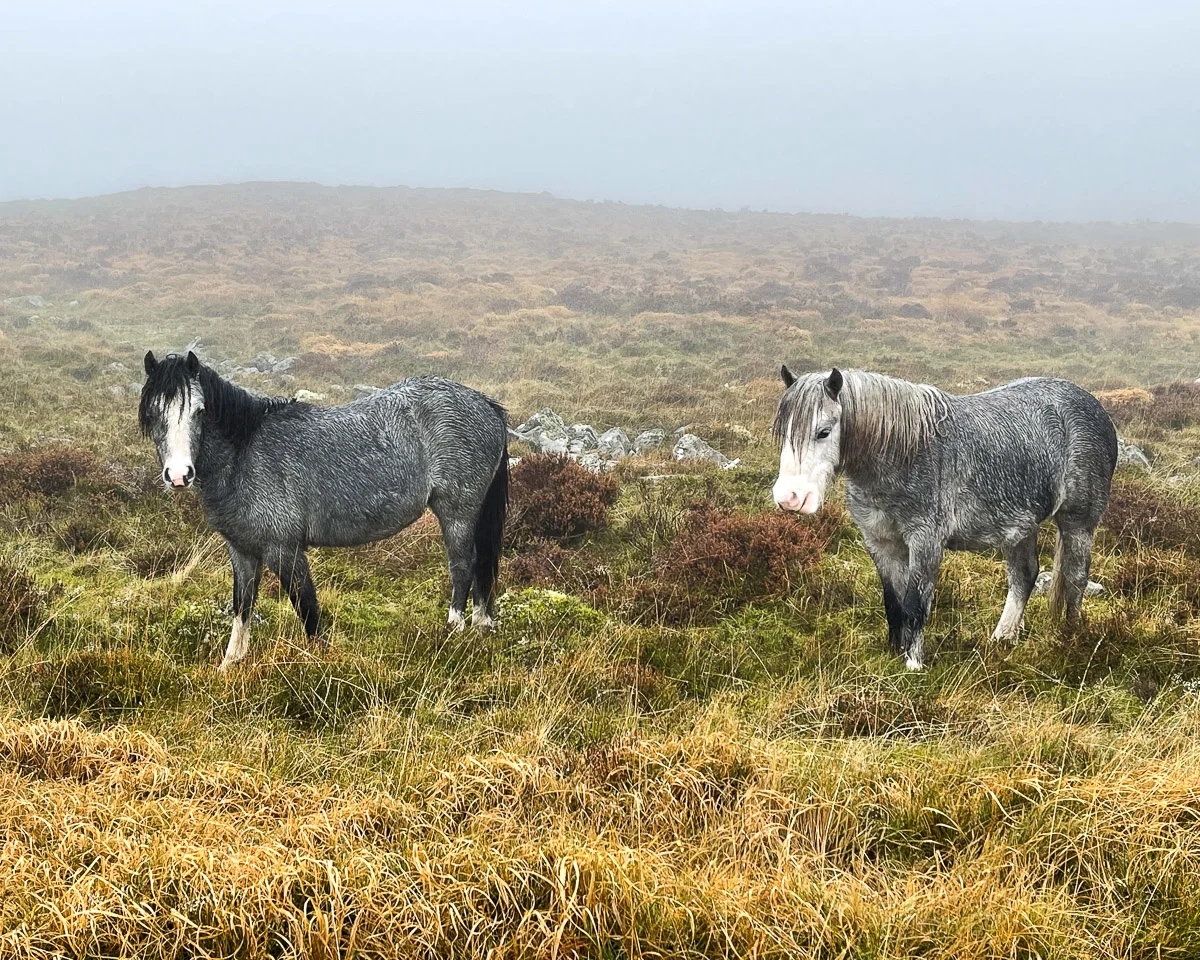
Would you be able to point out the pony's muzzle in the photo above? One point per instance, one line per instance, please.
(172, 477)
(796, 501)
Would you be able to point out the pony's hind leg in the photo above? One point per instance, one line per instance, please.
(291, 566)
(1072, 563)
(1022, 575)
(459, 537)
(247, 571)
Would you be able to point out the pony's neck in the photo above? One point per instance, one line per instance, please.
(232, 416)
(886, 424)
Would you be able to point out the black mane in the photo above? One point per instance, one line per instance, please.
(236, 413)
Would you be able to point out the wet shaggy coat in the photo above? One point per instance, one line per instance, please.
(928, 471)
(278, 476)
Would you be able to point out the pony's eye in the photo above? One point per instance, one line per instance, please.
(823, 433)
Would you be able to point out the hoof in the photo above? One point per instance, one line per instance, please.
(456, 622)
(481, 621)
(914, 664)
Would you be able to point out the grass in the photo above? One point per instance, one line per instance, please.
(664, 751)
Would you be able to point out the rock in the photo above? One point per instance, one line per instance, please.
(691, 447)
(364, 390)
(116, 366)
(1129, 455)
(309, 396)
(263, 363)
(117, 391)
(596, 463)
(284, 365)
(581, 437)
(513, 461)
(739, 432)
(614, 444)
(73, 303)
(649, 440)
(1042, 585)
(38, 303)
(133, 387)
(545, 432)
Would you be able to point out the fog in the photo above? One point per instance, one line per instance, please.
(1013, 111)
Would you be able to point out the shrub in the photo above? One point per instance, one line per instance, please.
(1170, 406)
(553, 498)
(48, 472)
(1139, 514)
(741, 557)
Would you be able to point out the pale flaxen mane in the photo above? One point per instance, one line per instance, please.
(884, 419)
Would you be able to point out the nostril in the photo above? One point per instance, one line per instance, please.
(189, 474)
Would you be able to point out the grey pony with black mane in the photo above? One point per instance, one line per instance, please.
(928, 471)
(277, 476)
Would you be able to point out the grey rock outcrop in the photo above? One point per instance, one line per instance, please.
(1130, 455)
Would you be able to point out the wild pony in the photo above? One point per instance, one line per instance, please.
(928, 471)
(277, 476)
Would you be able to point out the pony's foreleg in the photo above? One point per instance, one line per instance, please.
(924, 562)
(1022, 561)
(247, 571)
(291, 566)
(891, 562)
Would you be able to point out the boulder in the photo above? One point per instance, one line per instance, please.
(581, 437)
(596, 463)
(364, 390)
(649, 440)
(691, 447)
(38, 303)
(614, 444)
(545, 432)
(1130, 455)
(310, 396)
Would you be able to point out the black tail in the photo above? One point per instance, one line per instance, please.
(489, 536)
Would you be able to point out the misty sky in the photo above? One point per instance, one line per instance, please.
(1006, 109)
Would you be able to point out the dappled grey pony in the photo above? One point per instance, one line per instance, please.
(277, 476)
(928, 471)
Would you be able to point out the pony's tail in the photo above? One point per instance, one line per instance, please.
(1057, 600)
(489, 536)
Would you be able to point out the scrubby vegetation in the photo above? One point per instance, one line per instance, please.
(687, 737)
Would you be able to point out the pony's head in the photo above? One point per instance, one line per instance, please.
(170, 414)
(809, 423)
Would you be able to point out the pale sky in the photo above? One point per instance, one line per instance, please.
(1008, 109)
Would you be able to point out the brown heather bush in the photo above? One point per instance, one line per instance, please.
(554, 498)
(742, 557)
(1170, 406)
(1139, 514)
(47, 473)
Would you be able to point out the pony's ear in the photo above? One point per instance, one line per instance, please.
(786, 376)
(833, 386)
(193, 363)
(149, 362)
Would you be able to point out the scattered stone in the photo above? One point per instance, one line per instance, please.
(1130, 455)
(691, 447)
(38, 303)
(309, 396)
(1042, 585)
(117, 391)
(596, 463)
(581, 437)
(134, 387)
(267, 363)
(364, 390)
(73, 303)
(614, 444)
(545, 432)
(116, 366)
(649, 440)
